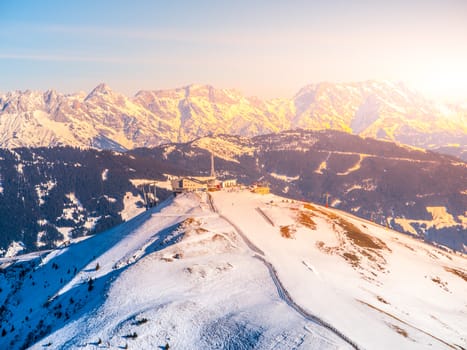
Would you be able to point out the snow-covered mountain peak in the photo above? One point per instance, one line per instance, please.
(99, 91)
(50, 94)
(377, 109)
(213, 95)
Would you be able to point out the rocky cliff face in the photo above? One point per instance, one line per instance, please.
(105, 119)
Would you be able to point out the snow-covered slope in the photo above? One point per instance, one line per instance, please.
(109, 120)
(241, 271)
(384, 289)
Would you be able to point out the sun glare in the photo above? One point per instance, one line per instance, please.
(448, 85)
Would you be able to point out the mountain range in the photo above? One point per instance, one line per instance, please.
(105, 119)
(86, 263)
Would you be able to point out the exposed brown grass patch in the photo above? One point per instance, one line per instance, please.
(399, 330)
(188, 221)
(323, 248)
(364, 252)
(367, 255)
(218, 237)
(456, 272)
(287, 231)
(440, 283)
(309, 206)
(352, 259)
(201, 230)
(359, 246)
(192, 226)
(447, 256)
(431, 255)
(359, 238)
(330, 215)
(381, 299)
(306, 220)
(408, 247)
(356, 235)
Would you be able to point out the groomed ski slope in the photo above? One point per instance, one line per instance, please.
(237, 270)
(382, 289)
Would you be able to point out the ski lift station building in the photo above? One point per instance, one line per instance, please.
(188, 184)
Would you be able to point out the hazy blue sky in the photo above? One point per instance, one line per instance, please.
(265, 48)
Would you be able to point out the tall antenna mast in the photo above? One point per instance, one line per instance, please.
(155, 193)
(213, 172)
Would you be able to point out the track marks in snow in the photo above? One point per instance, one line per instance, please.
(284, 295)
(311, 268)
(399, 329)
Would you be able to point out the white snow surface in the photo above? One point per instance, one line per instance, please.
(14, 249)
(285, 177)
(197, 275)
(404, 288)
(131, 207)
(44, 189)
(105, 174)
(440, 218)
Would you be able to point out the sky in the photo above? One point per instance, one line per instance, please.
(262, 48)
